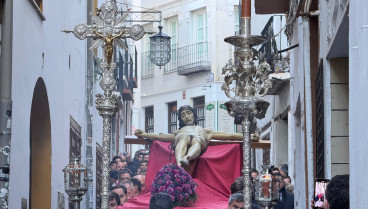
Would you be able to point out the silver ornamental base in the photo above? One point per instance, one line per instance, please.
(267, 205)
(244, 111)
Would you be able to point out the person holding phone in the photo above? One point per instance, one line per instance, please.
(337, 193)
(286, 198)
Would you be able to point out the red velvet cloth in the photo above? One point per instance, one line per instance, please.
(214, 172)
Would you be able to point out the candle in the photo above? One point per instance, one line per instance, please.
(246, 8)
(266, 186)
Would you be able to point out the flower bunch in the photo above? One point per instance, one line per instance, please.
(176, 182)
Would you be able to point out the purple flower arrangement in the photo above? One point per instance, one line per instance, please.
(176, 182)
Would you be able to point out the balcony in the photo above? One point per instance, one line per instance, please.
(338, 29)
(147, 65)
(279, 81)
(193, 59)
(126, 74)
(172, 66)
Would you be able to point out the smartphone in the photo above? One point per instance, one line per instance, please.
(319, 193)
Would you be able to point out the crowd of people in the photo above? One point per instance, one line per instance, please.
(337, 191)
(286, 189)
(127, 177)
(127, 180)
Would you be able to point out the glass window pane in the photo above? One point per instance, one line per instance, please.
(200, 21)
(173, 28)
(200, 35)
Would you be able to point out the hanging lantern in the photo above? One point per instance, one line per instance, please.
(267, 188)
(75, 180)
(160, 48)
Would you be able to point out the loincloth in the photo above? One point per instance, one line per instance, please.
(193, 139)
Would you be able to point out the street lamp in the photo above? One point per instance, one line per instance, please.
(267, 188)
(160, 48)
(75, 180)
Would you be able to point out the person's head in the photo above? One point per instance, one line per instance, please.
(128, 156)
(114, 176)
(161, 201)
(143, 166)
(287, 179)
(284, 170)
(142, 179)
(120, 166)
(146, 157)
(117, 158)
(237, 185)
(236, 201)
(136, 187)
(113, 165)
(129, 186)
(187, 116)
(137, 153)
(337, 192)
(254, 173)
(122, 193)
(140, 157)
(113, 200)
(125, 174)
(277, 176)
(275, 170)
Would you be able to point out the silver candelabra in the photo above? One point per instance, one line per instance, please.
(244, 84)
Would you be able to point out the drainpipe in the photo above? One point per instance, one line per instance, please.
(308, 111)
(5, 99)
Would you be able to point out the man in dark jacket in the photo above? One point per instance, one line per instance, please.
(286, 198)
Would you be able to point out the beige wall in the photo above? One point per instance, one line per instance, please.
(339, 116)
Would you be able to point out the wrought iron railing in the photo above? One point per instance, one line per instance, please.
(147, 65)
(173, 64)
(193, 58)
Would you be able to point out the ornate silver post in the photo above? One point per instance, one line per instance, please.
(246, 162)
(108, 30)
(244, 85)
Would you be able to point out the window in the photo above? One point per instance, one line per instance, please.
(320, 138)
(236, 20)
(75, 138)
(149, 119)
(147, 65)
(201, 34)
(173, 117)
(173, 33)
(198, 106)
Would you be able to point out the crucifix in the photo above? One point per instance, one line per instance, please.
(108, 30)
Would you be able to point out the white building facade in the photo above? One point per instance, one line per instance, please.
(48, 97)
(53, 78)
(193, 76)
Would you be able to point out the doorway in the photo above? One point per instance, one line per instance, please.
(40, 149)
